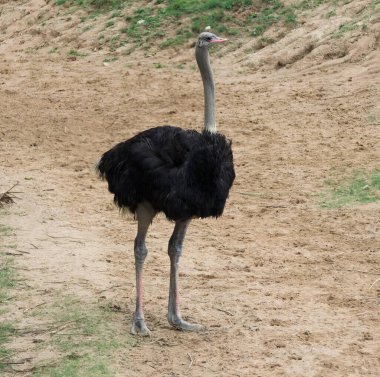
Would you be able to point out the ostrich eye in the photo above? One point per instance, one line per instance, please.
(208, 39)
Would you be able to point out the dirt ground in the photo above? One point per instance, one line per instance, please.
(285, 287)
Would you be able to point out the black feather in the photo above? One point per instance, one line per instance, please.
(182, 173)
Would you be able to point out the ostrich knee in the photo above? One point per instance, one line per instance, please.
(141, 252)
(174, 251)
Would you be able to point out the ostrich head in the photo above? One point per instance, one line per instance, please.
(206, 38)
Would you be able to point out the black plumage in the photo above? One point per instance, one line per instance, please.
(183, 173)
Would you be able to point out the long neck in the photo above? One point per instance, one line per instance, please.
(202, 56)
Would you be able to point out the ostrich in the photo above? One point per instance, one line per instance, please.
(182, 173)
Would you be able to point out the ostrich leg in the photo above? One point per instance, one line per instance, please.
(175, 251)
(145, 214)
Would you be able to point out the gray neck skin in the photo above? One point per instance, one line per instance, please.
(202, 56)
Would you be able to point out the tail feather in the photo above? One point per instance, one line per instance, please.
(115, 168)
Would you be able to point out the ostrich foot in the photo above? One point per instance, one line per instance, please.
(139, 328)
(179, 324)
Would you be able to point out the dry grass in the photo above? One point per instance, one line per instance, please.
(8, 196)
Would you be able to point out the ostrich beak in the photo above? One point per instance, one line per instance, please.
(218, 40)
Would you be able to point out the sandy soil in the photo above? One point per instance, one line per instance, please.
(285, 287)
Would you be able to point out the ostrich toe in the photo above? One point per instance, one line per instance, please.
(139, 328)
(179, 324)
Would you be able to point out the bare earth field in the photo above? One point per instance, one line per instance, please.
(285, 287)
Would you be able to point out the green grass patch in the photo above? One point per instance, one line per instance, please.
(5, 230)
(179, 7)
(109, 23)
(158, 65)
(361, 20)
(95, 4)
(7, 283)
(7, 276)
(174, 22)
(360, 188)
(310, 4)
(7, 271)
(87, 28)
(6, 332)
(75, 366)
(346, 27)
(76, 53)
(53, 50)
(86, 337)
(331, 13)
(144, 22)
(272, 12)
(167, 23)
(110, 59)
(182, 35)
(373, 119)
